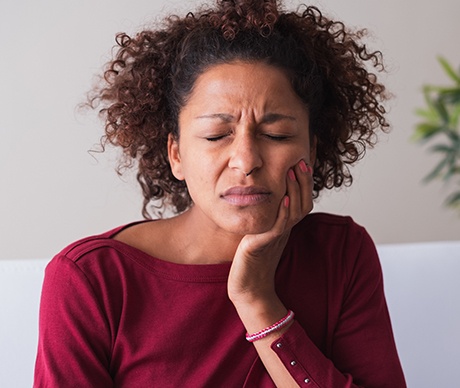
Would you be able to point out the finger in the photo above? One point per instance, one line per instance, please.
(294, 193)
(253, 244)
(305, 181)
(283, 217)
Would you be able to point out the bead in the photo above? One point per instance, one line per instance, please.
(276, 326)
(293, 363)
(307, 381)
(279, 345)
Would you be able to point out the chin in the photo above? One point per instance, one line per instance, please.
(250, 225)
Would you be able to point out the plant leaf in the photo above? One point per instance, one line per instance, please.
(442, 148)
(454, 116)
(425, 131)
(429, 114)
(449, 70)
(440, 107)
(448, 90)
(453, 200)
(453, 136)
(441, 116)
(436, 171)
(450, 96)
(451, 161)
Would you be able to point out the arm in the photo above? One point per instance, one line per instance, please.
(363, 346)
(73, 334)
(251, 284)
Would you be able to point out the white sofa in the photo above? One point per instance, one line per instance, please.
(422, 284)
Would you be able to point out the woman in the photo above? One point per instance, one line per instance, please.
(236, 117)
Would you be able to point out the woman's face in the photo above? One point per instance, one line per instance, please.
(241, 130)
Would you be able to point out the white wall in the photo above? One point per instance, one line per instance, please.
(52, 191)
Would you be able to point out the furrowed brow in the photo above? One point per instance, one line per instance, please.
(274, 117)
(268, 118)
(227, 118)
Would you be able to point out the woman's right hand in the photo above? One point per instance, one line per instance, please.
(251, 282)
(252, 274)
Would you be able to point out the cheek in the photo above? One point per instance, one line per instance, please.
(301, 153)
(292, 157)
(287, 161)
(199, 170)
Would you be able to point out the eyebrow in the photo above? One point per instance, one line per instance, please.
(222, 116)
(266, 119)
(273, 117)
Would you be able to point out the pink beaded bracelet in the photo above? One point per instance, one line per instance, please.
(270, 329)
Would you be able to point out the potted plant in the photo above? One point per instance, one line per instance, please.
(441, 126)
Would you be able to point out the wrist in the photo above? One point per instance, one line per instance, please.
(252, 295)
(261, 313)
(278, 326)
(257, 304)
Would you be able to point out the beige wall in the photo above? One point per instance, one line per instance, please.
(388, 196)
(52, 191)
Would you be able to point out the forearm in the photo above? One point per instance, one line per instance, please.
(289, 364)
(257, 316)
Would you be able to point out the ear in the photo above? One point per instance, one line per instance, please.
(174, 157)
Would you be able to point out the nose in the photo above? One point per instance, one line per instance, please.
(245, 153)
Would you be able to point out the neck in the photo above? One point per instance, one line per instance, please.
(202, 242)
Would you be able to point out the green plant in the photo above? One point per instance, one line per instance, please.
(441, 119)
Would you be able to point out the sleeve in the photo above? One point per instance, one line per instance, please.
(363, 349)
(74, 337)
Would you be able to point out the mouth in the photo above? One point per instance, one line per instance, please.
(246, 195)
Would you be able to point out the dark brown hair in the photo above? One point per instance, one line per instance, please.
(153, 73)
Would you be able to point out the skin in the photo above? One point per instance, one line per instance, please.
(240, 118)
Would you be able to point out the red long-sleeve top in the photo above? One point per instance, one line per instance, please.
(113, 316)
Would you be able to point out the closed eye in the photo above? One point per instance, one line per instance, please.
(277, 137)
(215, 138)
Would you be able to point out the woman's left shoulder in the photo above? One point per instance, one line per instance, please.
(330, 232)
(333, 224)
(335, 239)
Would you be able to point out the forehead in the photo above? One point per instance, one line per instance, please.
(242, 85)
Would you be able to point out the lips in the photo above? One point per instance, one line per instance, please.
(246, 195)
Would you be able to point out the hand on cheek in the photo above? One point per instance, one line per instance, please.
(298, 201)
(256, 259)
(299, 188)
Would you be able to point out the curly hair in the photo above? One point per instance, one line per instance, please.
(153, 73)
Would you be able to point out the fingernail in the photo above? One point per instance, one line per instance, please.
(286, 201)
(310, 169)
(291, 175)
(303, 166)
